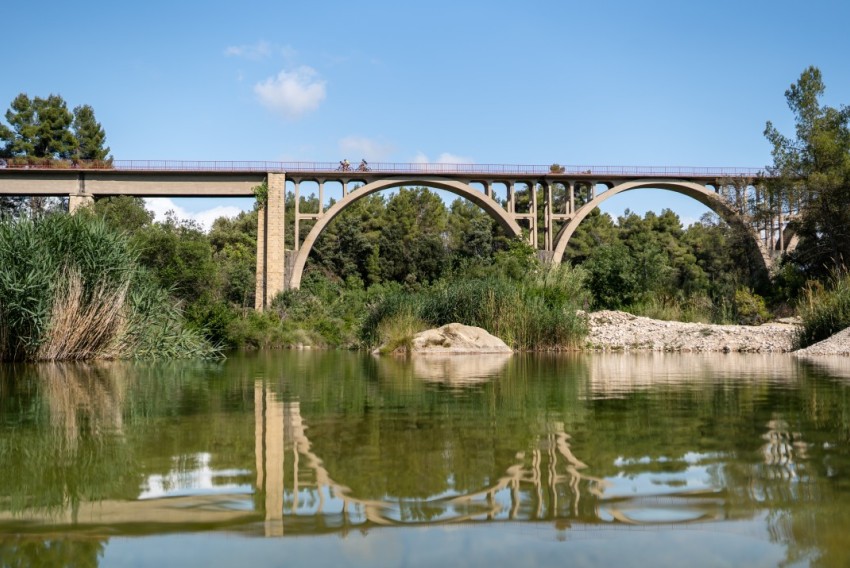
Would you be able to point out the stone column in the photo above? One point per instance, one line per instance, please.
(270, 243)
(532, 188)
(260, 295)
(77, 200)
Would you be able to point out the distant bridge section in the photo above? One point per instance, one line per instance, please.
(543, 204)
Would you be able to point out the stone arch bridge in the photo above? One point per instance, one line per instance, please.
(543, 204)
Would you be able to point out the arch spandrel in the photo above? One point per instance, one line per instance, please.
(508, 224)
(694, 190)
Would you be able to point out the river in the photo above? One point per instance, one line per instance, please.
(334, 458)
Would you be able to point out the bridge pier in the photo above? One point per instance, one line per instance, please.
(77, 200)
(271, 256)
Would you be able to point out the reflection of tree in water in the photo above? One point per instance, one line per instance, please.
(797, 483)
(50, 553)
(73, 450)
(73, 454)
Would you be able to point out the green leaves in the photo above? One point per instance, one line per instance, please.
(71, 281)
(813, 169)
(45, 128)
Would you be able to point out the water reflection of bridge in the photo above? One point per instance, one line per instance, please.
(546, 483)
(291, 487)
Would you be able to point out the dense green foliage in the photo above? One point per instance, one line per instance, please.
(71, 288)
(538, 311)
(813, 174)
(653, 266)
(825, 310)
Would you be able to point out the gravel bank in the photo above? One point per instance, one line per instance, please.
(619, 331)
(838, 344)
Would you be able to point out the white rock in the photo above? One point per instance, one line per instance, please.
(457, 338)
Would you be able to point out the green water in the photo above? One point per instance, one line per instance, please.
(331, 459)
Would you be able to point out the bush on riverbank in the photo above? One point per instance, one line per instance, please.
(825, 310)
(324, 312)
(538, 311)
(71, 289)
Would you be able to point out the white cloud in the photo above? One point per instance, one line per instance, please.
(259, 50)
(360, 147)
(444, 158)
(292, 93)
(160, 206)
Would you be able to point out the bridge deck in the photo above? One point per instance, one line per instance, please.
(160, 166)
(233, 178)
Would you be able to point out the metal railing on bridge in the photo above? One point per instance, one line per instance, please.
(388, 168)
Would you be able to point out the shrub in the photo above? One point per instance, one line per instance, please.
(750, 308)
(824, 310)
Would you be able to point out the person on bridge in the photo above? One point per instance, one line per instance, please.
(363, 167)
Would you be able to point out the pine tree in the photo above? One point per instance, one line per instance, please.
(53, 138)
(89, 134)
(813, 169)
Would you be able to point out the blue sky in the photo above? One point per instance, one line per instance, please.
(533, 82)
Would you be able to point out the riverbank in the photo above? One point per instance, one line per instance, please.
(838, 344)
(620, 331)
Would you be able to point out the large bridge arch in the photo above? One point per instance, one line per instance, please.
(461, 189)
(693, 190)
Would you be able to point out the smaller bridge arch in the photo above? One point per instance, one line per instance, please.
(692, 189)
(459, 188)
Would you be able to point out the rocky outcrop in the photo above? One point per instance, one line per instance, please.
(620, 331)
(455, 338)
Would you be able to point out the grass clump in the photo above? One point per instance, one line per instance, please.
(396, 332)
(824, 310)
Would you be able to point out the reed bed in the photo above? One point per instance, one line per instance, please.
(539, 312)
(71, 289)
(825, 310)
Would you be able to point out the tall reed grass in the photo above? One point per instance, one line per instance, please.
(825, 310)
(71, 289)
(538, 312)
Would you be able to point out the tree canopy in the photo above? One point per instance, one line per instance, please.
(812, 173)
(45, 128)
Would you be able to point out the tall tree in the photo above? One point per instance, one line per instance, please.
(90, 136)
(21, 116)
(412, 242)
(813, 168)
(45, 128)
(53, 136)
